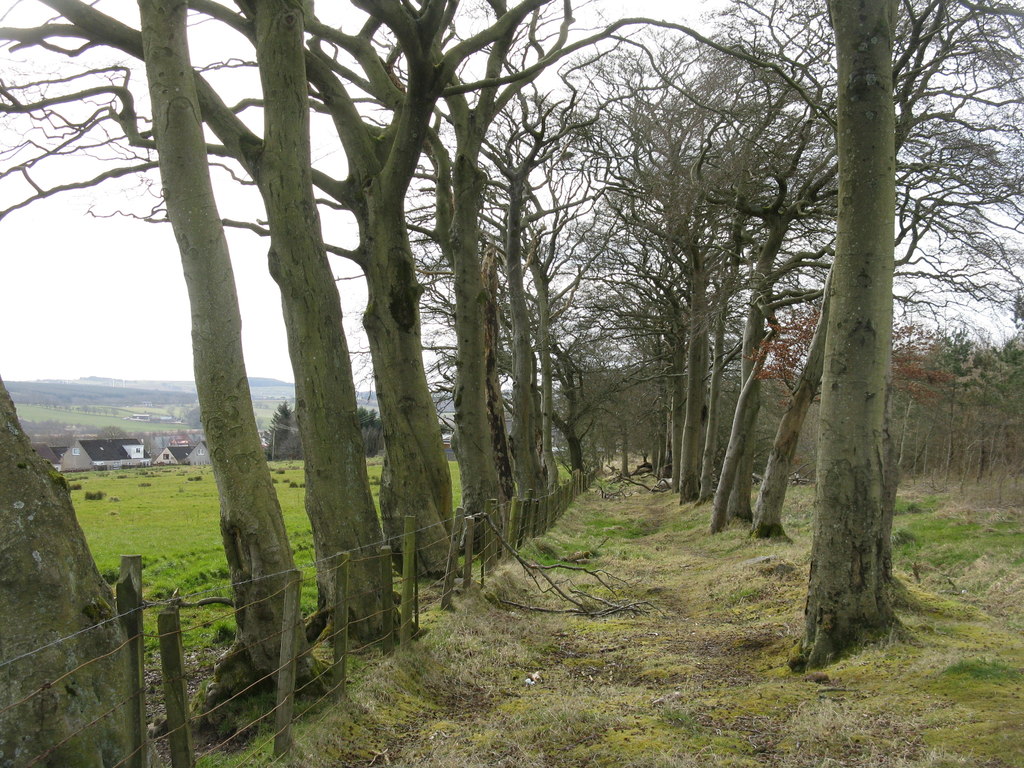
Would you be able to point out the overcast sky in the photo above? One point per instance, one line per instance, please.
(86, 296)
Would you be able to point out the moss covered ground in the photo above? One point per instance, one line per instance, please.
(700, 677)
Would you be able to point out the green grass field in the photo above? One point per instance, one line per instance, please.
(170, 516)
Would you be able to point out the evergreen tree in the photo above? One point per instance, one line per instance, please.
(283, 435)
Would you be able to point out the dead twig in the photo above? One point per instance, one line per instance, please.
(595, 573)
(636, 482)
(581, 608)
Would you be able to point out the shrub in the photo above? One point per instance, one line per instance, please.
(145, 485)
(94, 495)
(74, 486)
(195, 478)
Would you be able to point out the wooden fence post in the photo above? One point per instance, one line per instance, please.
(172, 663)
(291, 628)
(505, 512)
(453, 561)
(408, 580)
(467, 562)
(128, 596)
(388, 600)
(512, 529)
(340, 639)
(529, 516)
(490, 539)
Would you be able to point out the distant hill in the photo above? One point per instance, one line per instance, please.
(96, 390)
(75, 393)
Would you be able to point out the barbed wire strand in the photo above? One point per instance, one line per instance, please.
(231, 586)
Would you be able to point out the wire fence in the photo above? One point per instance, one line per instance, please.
(282, 663)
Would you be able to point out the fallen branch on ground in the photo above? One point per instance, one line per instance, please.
(583, 603)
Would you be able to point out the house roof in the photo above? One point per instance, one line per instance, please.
(108, 450)
(180, 452)
(48, 453)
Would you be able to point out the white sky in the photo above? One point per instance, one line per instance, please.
(84, 296)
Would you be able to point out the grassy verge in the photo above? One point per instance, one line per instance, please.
(700, 679)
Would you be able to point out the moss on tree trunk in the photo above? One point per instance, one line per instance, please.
(847, 601)
(50, 589)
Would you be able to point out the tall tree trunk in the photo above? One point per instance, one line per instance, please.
(753, 335)
(338, 499)
(495, 398)
(846, 599)
(252, 527)
(547, 394)
(747, 409)
(732, 496)
(696, 399)
(50, 589)
(732, 464)
(677, 415)
(416, 480)
(768, 510)
(707, 474)
(529, 470)
(478, 466)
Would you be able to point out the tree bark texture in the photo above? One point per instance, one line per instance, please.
(416, 480)
(846, 600)
(50, 589)
(495, 398)
(478, 465)
(252, 527)
(338, 498)
(526, 432)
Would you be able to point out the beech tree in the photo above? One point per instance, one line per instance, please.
(50, 590)
(252, 527)
(847, 600)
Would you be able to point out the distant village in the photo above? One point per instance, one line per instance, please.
(121, 453)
